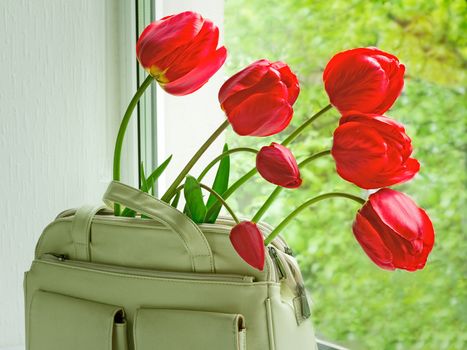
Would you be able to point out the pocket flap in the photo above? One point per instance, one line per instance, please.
(164, 329)
(60, 322)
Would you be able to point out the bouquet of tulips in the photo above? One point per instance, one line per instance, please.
(370, 150)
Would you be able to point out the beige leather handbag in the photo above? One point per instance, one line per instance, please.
(103, 282)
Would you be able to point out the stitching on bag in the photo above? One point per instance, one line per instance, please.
(166, 280)
(203, 238)
(109, 336)
(134, 326)
(234, 333)
(270, 323)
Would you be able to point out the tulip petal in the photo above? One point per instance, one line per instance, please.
(261, 115)
(244, 79)
(276, 164)
(270, 84)
(196, 78)
(357, 86)
(359, 152)
(367, 80)
(162, 37)
(372, 243)
(289, 79)
(403, 228)
(396, 84)
(248, 242)
(403, 173)
(393, 208)
(203, 45)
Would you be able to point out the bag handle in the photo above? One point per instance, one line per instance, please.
(191, 235)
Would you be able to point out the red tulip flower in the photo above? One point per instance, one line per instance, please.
(258, 100)
(248, 241)
(373, 151)
(393, 231)
(180, 52)
(365, 80)
(277, 165)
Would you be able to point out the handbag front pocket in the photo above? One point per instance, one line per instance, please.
(61, 322)
(168, 329)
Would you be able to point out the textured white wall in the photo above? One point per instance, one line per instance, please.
(65, 78)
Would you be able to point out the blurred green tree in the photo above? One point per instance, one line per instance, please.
(356, 303)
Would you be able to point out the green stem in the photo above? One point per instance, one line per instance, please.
(232, 189)
(171, 190)
(302, 127)
(214, 161)
(305, 205)
(222, 156)
(223, 202)
(121, 132)
(289, 139)
(279, 189)
(313, 157)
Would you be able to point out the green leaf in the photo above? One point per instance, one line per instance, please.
(195, 207)
(220, 185)
(129, 213)
(151, 180)
(144, 183)
(176, 199)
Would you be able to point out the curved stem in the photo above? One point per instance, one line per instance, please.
(223, 202)
(288, 140)
(121, 132)
(313, 157)
(305, 205)
(310, 120)
(259, 214)
(279, 189)
(233, 188)
(171, 190)
(222, 156)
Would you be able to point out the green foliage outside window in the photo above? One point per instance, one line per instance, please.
(355, 303)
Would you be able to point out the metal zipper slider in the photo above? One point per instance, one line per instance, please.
(278, 262)
(288, 251)
(305, 305)
(59, 257)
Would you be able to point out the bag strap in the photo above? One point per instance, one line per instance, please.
(191, 235)
(81, 230)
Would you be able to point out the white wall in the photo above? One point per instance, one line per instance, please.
(65, 78)
(67, 71)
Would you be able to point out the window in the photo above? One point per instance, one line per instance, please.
(356, 303)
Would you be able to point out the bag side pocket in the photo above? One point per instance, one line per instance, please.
(58, 322)
(166, 329)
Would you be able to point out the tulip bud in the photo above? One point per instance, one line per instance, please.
(393, 231)
(248, 241)
(365, 80)
(180, 52)
(373, 151)
(277, 165)
(258, 100)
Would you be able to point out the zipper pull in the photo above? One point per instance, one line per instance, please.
(288, 251)
(59, 257)
(305, 305)
(278, 262)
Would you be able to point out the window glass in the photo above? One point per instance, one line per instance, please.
(355, 302)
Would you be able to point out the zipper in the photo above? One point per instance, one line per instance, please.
(305, 305)
(278, 262)
(62, 259)
(223, 224)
